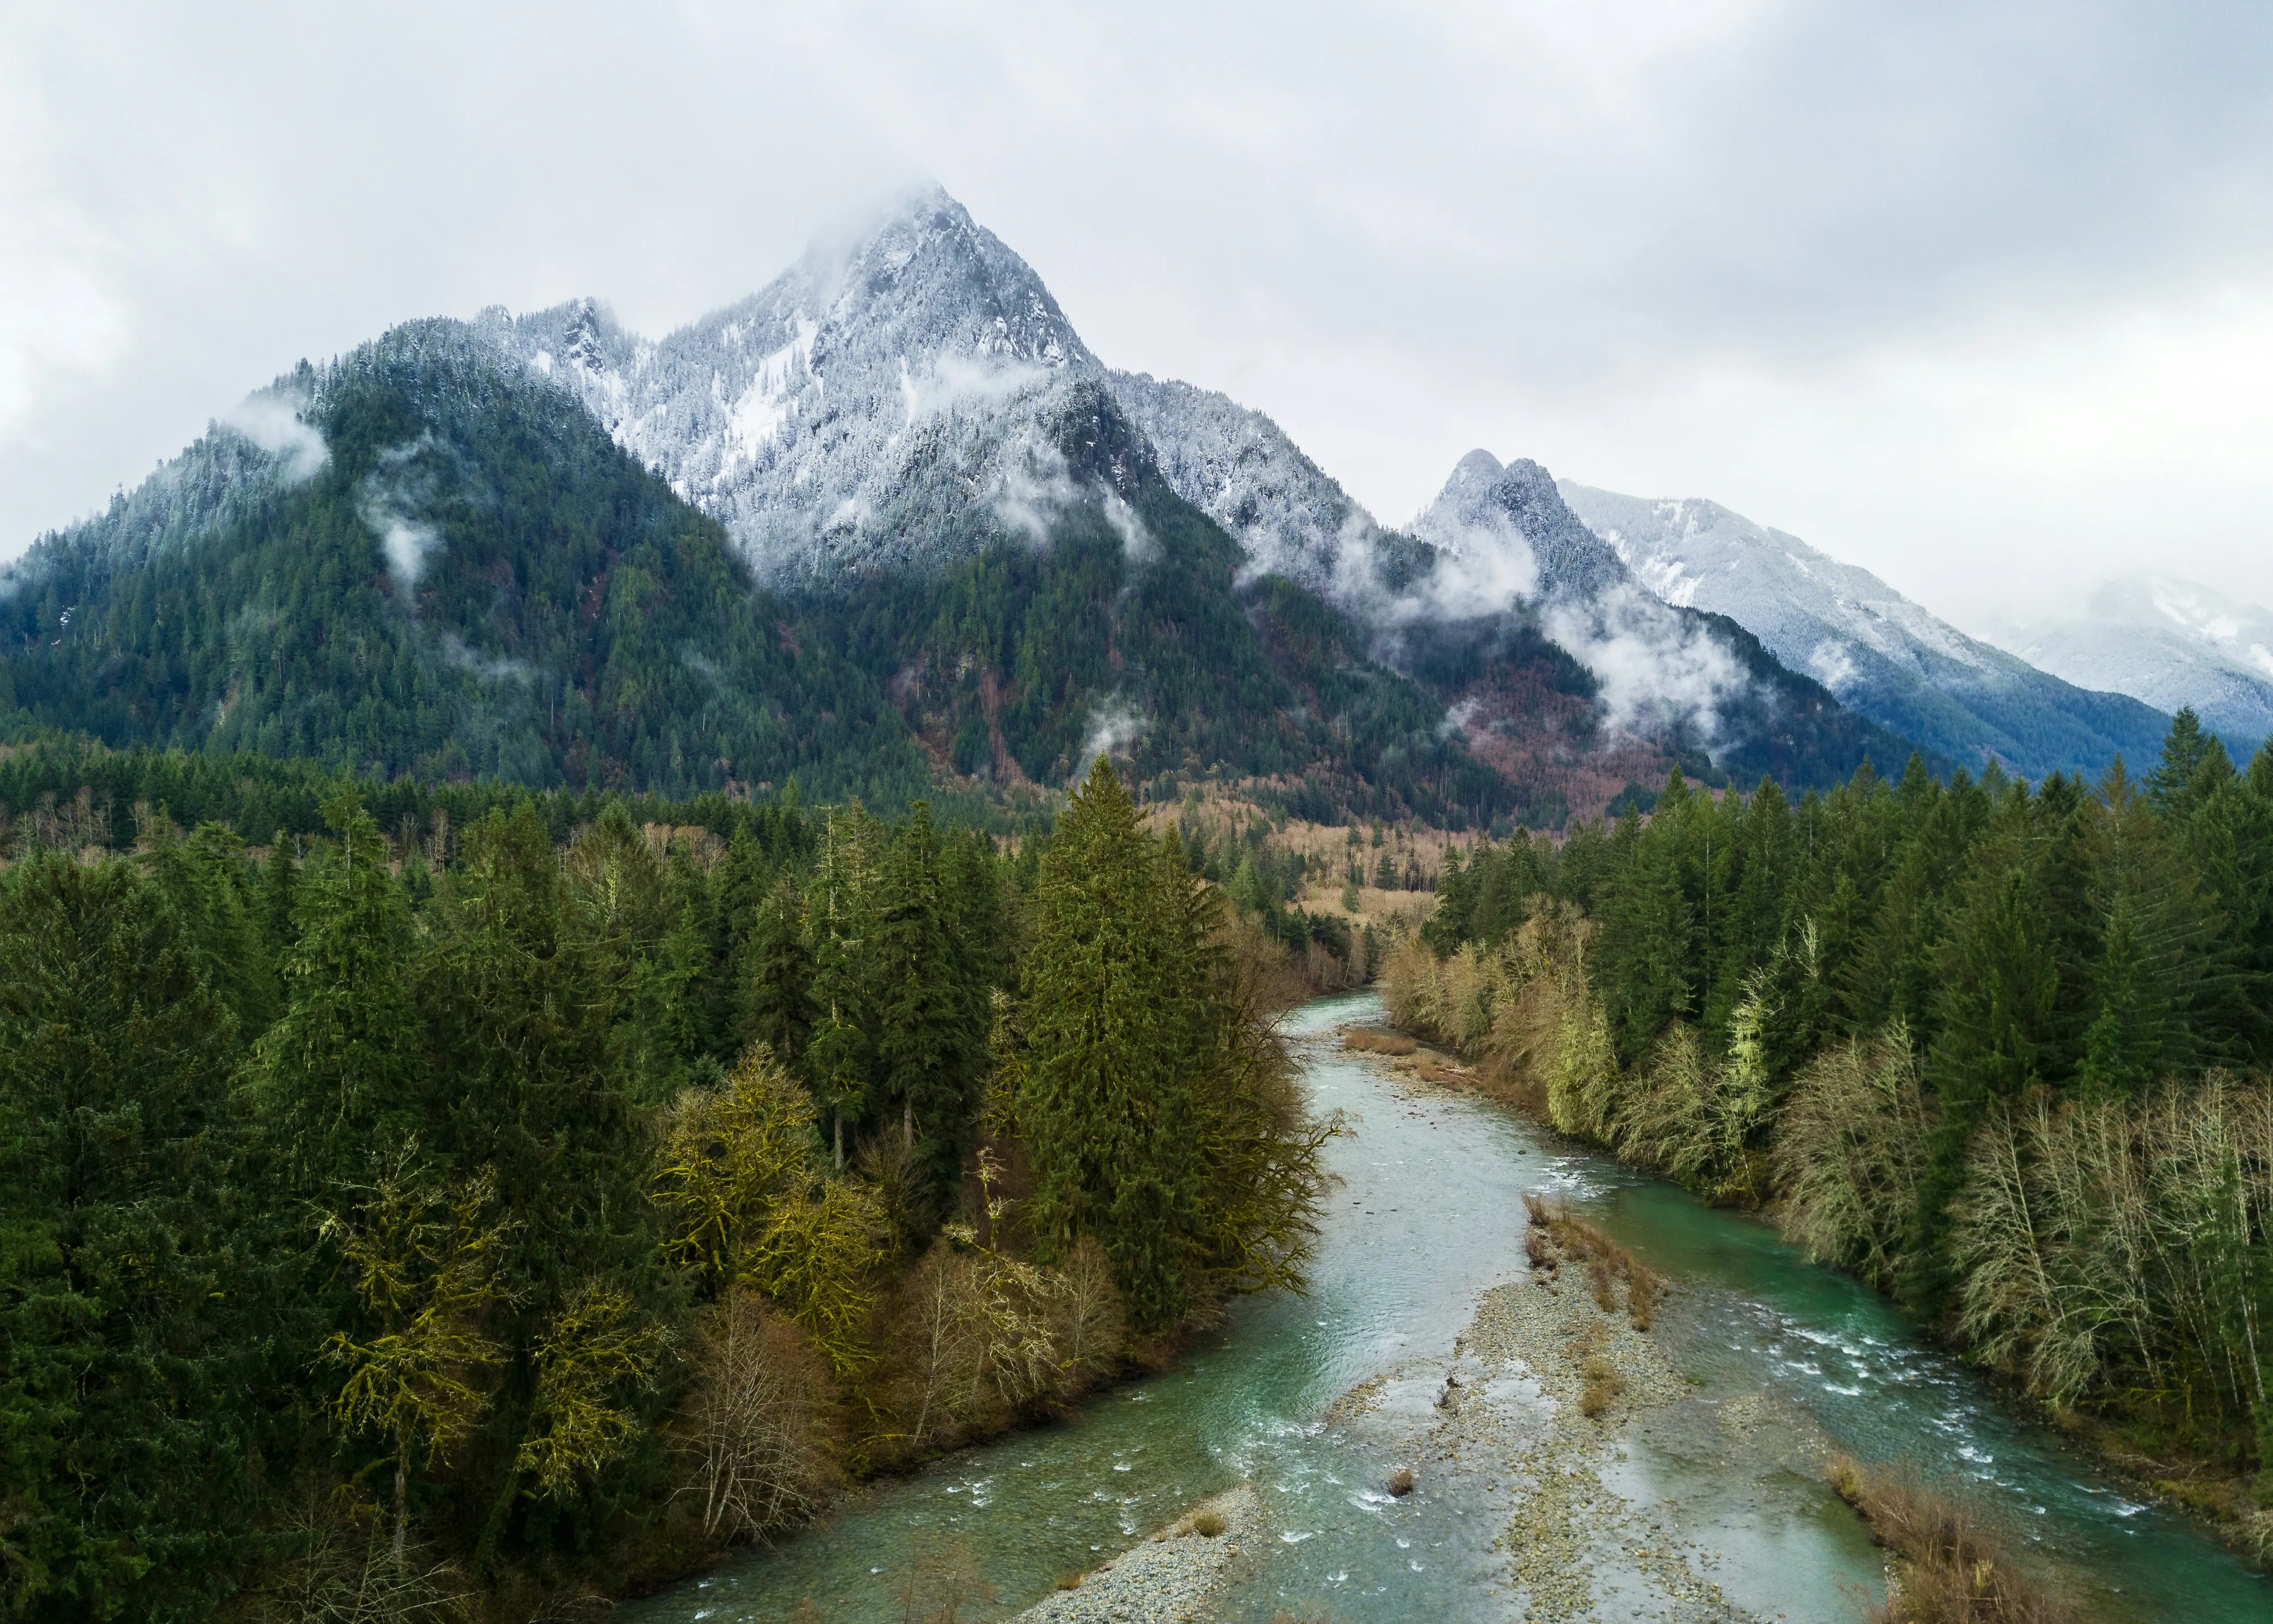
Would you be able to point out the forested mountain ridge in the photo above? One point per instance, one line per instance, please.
(916, 545)
(476, 580)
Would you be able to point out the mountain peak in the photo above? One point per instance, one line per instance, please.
(1487, 506)
(887, 399)
(934, 276)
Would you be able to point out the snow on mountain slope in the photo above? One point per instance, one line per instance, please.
(2168, 641)
(901, 402)
(1238, 467)
(1514, 512)
(263, 445)
(1879, 651)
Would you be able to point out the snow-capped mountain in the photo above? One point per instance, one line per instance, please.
(1486, 511)
(916, 408)
(1879, 651)
(2170, 642)
(906, 400)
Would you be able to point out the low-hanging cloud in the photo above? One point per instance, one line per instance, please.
(276, 421)
(1479, 571)
(1137, 541)
(1034, 488)
(388, 502)
(1655, 667)
(489, 668)
(953, 381)
(1114, 726)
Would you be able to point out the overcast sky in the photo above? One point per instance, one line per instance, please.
(1978, 297)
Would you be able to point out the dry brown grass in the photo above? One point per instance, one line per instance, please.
(1207, 1522)
(1377, 1041)
(1558, 1235)
(1946, 1569)
(1604, 1385)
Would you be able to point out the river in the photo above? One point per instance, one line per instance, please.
(1427, 1217)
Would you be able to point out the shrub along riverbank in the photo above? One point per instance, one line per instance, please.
(2000, 1051)
(460, 1224)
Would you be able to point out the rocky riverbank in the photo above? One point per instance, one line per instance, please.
(1555, 1398)
(1175, 1577)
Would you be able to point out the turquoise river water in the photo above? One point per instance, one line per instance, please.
(1428, 1215)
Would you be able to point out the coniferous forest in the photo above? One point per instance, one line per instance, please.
(523, 1203)
(2003, 1051)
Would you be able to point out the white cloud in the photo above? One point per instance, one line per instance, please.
(1113, 727)
(1655, 667)
(275, 421)
(1137, 542)
(387, 501)
(1032, 488)
(500, 668)
(957, 380)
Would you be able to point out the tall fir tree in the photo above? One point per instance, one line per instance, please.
(841, 1059)
(778, 976)
(1106, 1100)
(928, 1045)
(338, 1077)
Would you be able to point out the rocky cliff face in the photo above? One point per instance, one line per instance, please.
(1486, 508)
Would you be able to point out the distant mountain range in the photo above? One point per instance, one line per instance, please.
(1879, 652)
(892, 526)
(2170, 642)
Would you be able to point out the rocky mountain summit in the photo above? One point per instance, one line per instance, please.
(1515, 511)
(899, 403)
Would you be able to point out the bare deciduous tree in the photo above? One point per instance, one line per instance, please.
(758, 1426)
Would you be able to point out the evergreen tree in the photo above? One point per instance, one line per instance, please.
(778, 991)
(210, 890)
(337, 1077)
(121, 1376)
(1648, 976)
(2149, 963)
(841, 1060)
(2178, 784)
(1107, 1100)
(519, 1012)
(278, 890)
(928, 1043)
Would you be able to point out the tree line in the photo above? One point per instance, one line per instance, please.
(2002, 1050)
(425, 1224)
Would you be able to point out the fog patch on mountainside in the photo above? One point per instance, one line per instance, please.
(387, 501)
(1113, 727)
(1657, 668)
(276, 420)
(953, 381)
(457, 651)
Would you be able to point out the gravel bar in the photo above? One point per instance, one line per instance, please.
(1173, 1577)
